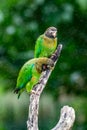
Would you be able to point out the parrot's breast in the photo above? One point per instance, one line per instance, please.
(34, 80)
(49, 46)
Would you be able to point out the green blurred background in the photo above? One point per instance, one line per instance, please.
(21, 22)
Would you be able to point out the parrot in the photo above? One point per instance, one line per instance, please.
(30, 73)
(46, 43)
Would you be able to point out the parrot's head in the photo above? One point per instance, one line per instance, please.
(51, 32)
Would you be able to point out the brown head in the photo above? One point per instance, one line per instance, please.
(43, 63)
(51, 32)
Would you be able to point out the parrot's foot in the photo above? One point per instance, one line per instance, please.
(34, 92)
(50, 63)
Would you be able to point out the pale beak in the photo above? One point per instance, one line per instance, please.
(54, 34)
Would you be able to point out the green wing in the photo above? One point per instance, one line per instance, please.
(25, 76)
(38, 46)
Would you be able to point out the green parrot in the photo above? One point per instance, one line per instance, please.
(30, 73)
(46, 43)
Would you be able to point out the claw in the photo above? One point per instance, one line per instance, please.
(34, 92)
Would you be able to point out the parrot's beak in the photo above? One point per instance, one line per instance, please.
(54, 34)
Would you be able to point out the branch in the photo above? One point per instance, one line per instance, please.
(67, 118)
(32, 122)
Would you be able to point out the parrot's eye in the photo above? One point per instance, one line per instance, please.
(51, 32)
(44, 67)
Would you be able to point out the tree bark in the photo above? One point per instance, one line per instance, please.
(32, 122)
(67, 118)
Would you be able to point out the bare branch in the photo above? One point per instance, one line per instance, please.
(67, 118)
(32, 122)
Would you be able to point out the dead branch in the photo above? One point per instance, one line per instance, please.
(32, 122)
(67, 118)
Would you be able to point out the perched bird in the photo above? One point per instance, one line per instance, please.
(30, 73)
(46, 43)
